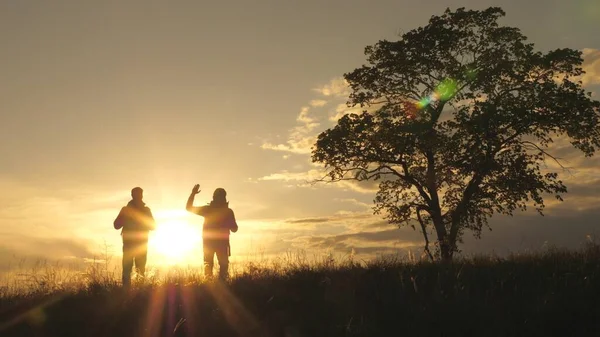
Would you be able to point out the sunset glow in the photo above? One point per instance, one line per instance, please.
(299, 168)
(98, 98)
(175, 239)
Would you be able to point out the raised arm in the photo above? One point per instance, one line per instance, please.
(190, 202)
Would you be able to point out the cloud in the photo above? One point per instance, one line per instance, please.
(367, 236)
(317, 103)
(337, 87)
(360, 219)
(366, 187)
(300, 139)
(305, 176)
(18, 247)
(315, 178)
(309, 220)
(378, 225)
(580, 196)
(390, 235)
(525, 231)
(361, 234)
(342, 109)
(307, 124)
(580, 177)
(299, 143)
(532, 232)
(305, 119)
(591, 66)
(354, 202)
(364, 243)
(291, 146)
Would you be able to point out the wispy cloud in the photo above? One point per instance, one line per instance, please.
(337, 87)
(309, 220)
(352, 221)
(591, 66)
(317, 103)
(315, 178)
(580, 197)
(354, 202)
(304, 176)
(393, 235)
(530, 231)
(302, 146)
(300, 138)
(35, 249)
(341, 110)
(364, 244)
(306, 120)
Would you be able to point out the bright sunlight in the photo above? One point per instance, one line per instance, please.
(175, 240)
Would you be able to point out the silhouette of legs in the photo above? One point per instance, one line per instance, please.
(128, 256)
(222, 251)
(134, 252)
(141, 255)
(209, 254)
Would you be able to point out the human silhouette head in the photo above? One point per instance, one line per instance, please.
(220, 196)
(137, 194)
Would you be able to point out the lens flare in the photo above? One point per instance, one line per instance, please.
(423, 103)
(444, 91)
(471, 73)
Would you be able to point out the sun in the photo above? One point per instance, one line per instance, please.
(174, 240)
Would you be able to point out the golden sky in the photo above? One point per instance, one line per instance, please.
(97, 98)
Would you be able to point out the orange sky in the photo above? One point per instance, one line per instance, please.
(97, 99)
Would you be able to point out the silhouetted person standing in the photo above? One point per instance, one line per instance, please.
(136, 220)
(219, 220)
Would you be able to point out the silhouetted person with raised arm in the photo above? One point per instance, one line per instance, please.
(219, 220)
(136, 221)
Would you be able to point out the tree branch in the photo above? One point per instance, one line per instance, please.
(369, 174)
(442, 103)
(425, 236)
(462, 205)
(415, 183)
(535, 146)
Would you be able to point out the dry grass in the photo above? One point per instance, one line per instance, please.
(551, 293)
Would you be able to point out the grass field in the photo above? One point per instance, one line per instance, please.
(554, 293)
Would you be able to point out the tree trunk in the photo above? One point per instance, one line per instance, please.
(446, 250)
(445, 247)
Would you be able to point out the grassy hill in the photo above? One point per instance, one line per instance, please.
(555, 293)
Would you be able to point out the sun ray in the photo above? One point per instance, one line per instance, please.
(154, 315)
(175, 240)
(238, 317)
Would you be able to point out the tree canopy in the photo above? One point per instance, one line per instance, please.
(458, 122)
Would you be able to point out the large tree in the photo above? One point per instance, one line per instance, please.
(458, 121)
